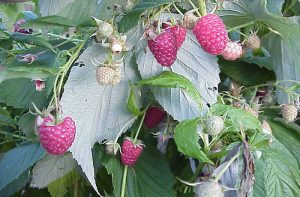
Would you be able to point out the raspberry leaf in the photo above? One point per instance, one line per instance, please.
(194, 64)
(93, 106)
(151, 176)
(16, 161)
(276, 171)
(186, 138)
(51, 168)
(236, 118)
(60, 186)
(169, 79)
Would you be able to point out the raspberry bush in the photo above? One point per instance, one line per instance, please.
(149, 98)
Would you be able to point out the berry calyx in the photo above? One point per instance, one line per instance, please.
(289, 112)
(164, 48)
(211, 34)
(108, 76)
(130, 152)
(214, 125)
(154, 116)
(232, 51)
(57, 138)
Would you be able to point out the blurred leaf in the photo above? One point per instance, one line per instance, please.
(133, 16)
(16, 185)
(18, 160)
(30, 39)
(132, 105)
(50, 168)
(187, 140)
(77, 11)
(245, 73)
(275, 6)
(280, 42)
(60, 187)
(26, 124)
(151, 176)
(49, 21)
(20, 93)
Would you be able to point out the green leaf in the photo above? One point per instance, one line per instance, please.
(150, 177)
(238, 118)
(20, 93)
(131, 18)
(168, 79)
(49, 21)
(4, 120)
(93, 104)
(30, 39)
(18, 160)
(276, 172)
(288, 135)
(16, 185)
(187, 140)
(77, 11)
(26, 124)
(60, 187)
(50, 168)
(132, 105)
(245, 73)
(275, 6)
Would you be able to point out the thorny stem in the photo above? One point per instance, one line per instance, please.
(196, 9)
(202, 7)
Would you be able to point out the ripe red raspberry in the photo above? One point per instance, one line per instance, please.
(164, 48)
(130, 152)
(57, 138)
(211, 34)
(179, 32)
(232, 51)
(154, 116)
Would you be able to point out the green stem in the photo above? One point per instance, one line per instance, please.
(76, 189)
(195, 8)
(177, 9)
(124, 181)
(65, 38)
(241, 26)
(141, 124)
(202, 7)
(134, 141)
(13, 135)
